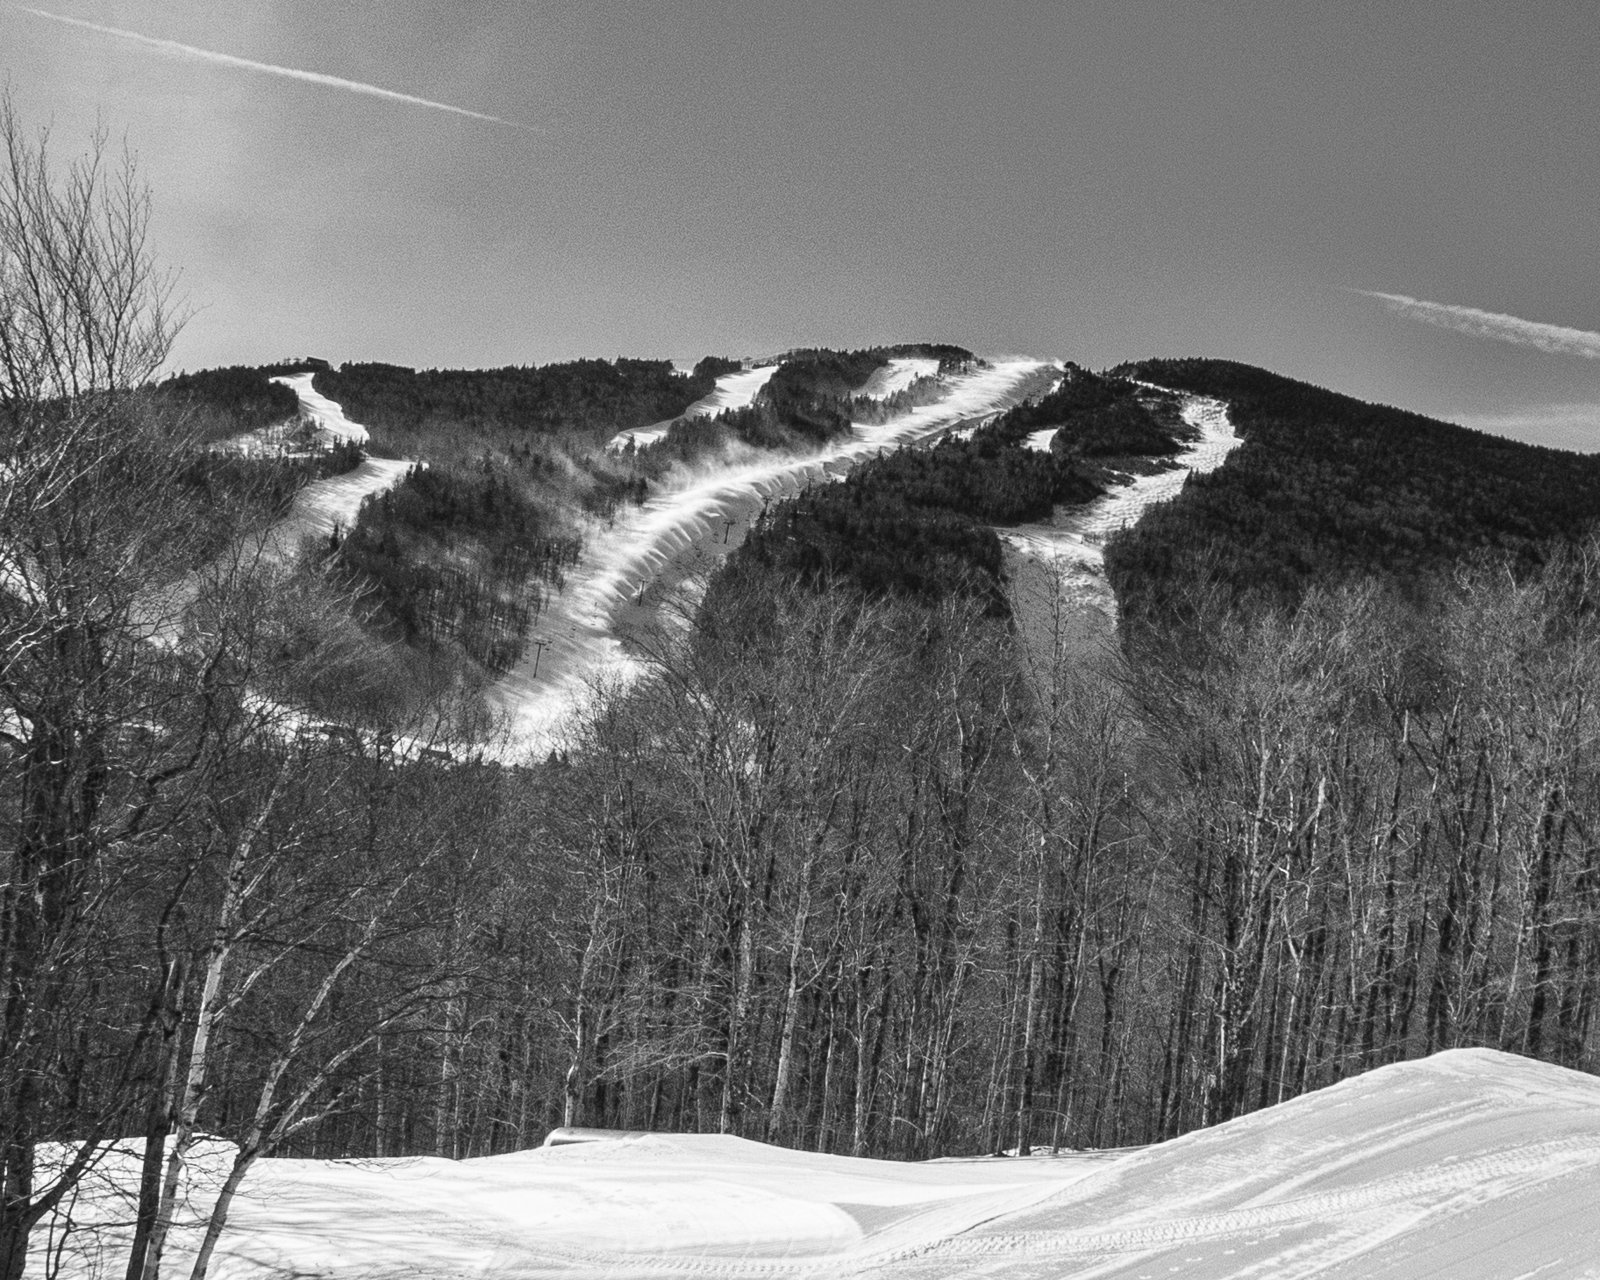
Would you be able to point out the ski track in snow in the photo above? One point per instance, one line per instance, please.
(1471, 1165)
(621, 560)
(1075, 539)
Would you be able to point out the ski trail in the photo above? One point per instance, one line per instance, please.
(324, 506)
(328, 418)
(1074, 540)
(896, 376)
(576, 639)
(733, 391)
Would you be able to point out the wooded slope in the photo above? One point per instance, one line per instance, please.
(1327, 488)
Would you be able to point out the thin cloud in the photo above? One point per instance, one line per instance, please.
(1554, 338)
(174, 49)
(1560, 426)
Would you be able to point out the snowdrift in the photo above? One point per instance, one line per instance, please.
(1473, 1165)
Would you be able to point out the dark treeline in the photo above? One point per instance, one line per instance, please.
(543, 425)
(587, 400)
(1099, 417)
(915, 521)
(266, 484)
(1326, 488)
(224, 402)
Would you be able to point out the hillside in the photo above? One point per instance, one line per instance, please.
(722, 784)
(1328, 489)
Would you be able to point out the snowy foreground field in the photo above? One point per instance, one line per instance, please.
(1470, 1165)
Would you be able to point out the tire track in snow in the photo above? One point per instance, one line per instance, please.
(1400, 1198)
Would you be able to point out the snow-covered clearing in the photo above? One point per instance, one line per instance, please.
(1471, 1165)
(704, 513)
(1074, 540)
(1040, 440)
(896, 376)
(733, 391)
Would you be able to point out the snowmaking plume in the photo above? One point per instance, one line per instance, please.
(174, 49)
(1553, 338)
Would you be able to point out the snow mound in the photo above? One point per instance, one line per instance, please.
(1472, 1165)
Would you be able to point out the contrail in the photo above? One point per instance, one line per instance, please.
(1554, 338)
(173, 49)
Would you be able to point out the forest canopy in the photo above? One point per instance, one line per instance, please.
(1328, 489)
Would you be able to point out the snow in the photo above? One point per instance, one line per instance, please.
(702, 512)
(1471, 1165)
(324, 505)
(896, 376)
(1040, 440)
(733, 391)
(331, 425)
(1075, 540)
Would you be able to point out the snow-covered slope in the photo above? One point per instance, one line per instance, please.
(1075, 540)
(331, 425)
(897, 375)
(323, 505)
(733, 391)
(704, 513)
(1472, 1165)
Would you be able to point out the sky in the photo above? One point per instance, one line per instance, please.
(1395, 201)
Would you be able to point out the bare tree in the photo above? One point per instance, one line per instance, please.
(89, 529)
